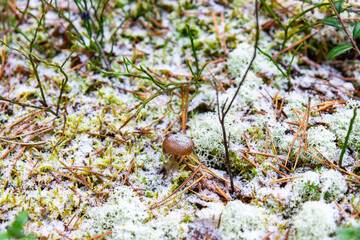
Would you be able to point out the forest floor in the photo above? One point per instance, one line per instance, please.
(89, 90)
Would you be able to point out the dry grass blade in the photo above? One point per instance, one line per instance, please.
(214, 174)
(203, 196)
(184, 98)
(128, 172)
(33, 114)
(248, 160)
(40, 130)
(101, 236)
(121, 168)
(168, 199)
(181, 186)
(276, 98)
(25, 144)
(327, 105)
(207, 170)
(271, 139)
(7, 152)
(172, 124)
(218, 82)
(65, 175)
(278, 171)
(353, 181)
(3, 58)
(221, 193)
(63, 235)
(292, 46)
(217, 30)
(319, 159)
(337, 167)
(296, 135)
(286, 179)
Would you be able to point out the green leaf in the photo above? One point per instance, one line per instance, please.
(331, 21)
(15, 230)
(138, 97)
(344, 147)
(352, 233)
(5, 236)
(339, 5)
(275, 63)
(336, 51)
(292, 59)
(356, 31)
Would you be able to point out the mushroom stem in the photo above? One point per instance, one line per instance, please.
(172, 164)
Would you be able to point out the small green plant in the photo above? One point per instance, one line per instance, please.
(347, 137)
(333, 20)
(312, 187)
(32, 57)
(93, 24)
(278, 67)
(306, 25)
(196, 75)
(317, 169)
(162, 87)
(352, 233)
(15, 230)
(338, 23)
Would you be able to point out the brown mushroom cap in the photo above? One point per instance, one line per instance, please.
(178, 144)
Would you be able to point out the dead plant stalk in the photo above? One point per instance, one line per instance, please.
(226, 108)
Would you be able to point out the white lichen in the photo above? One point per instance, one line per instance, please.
(207, 136)
(326, 185)
(243, 221)
(123, 213)
(340, 121)
(316, 220)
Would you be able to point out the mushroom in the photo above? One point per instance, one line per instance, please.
(177, 145)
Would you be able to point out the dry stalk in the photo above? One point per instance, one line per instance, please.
(218, 82)
(207, 170)
(277, 170)
(353, 181)
(171, 197)
(276, 104)
(128, 172)
(295, 137)
(101, 236)
(121, 168)
(292, 46)
(286, 179)
(271, 139)
(203, 196)
(226, 108)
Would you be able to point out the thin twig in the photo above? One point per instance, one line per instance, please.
(225, 108)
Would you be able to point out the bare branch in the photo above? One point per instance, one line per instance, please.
(225, 108)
